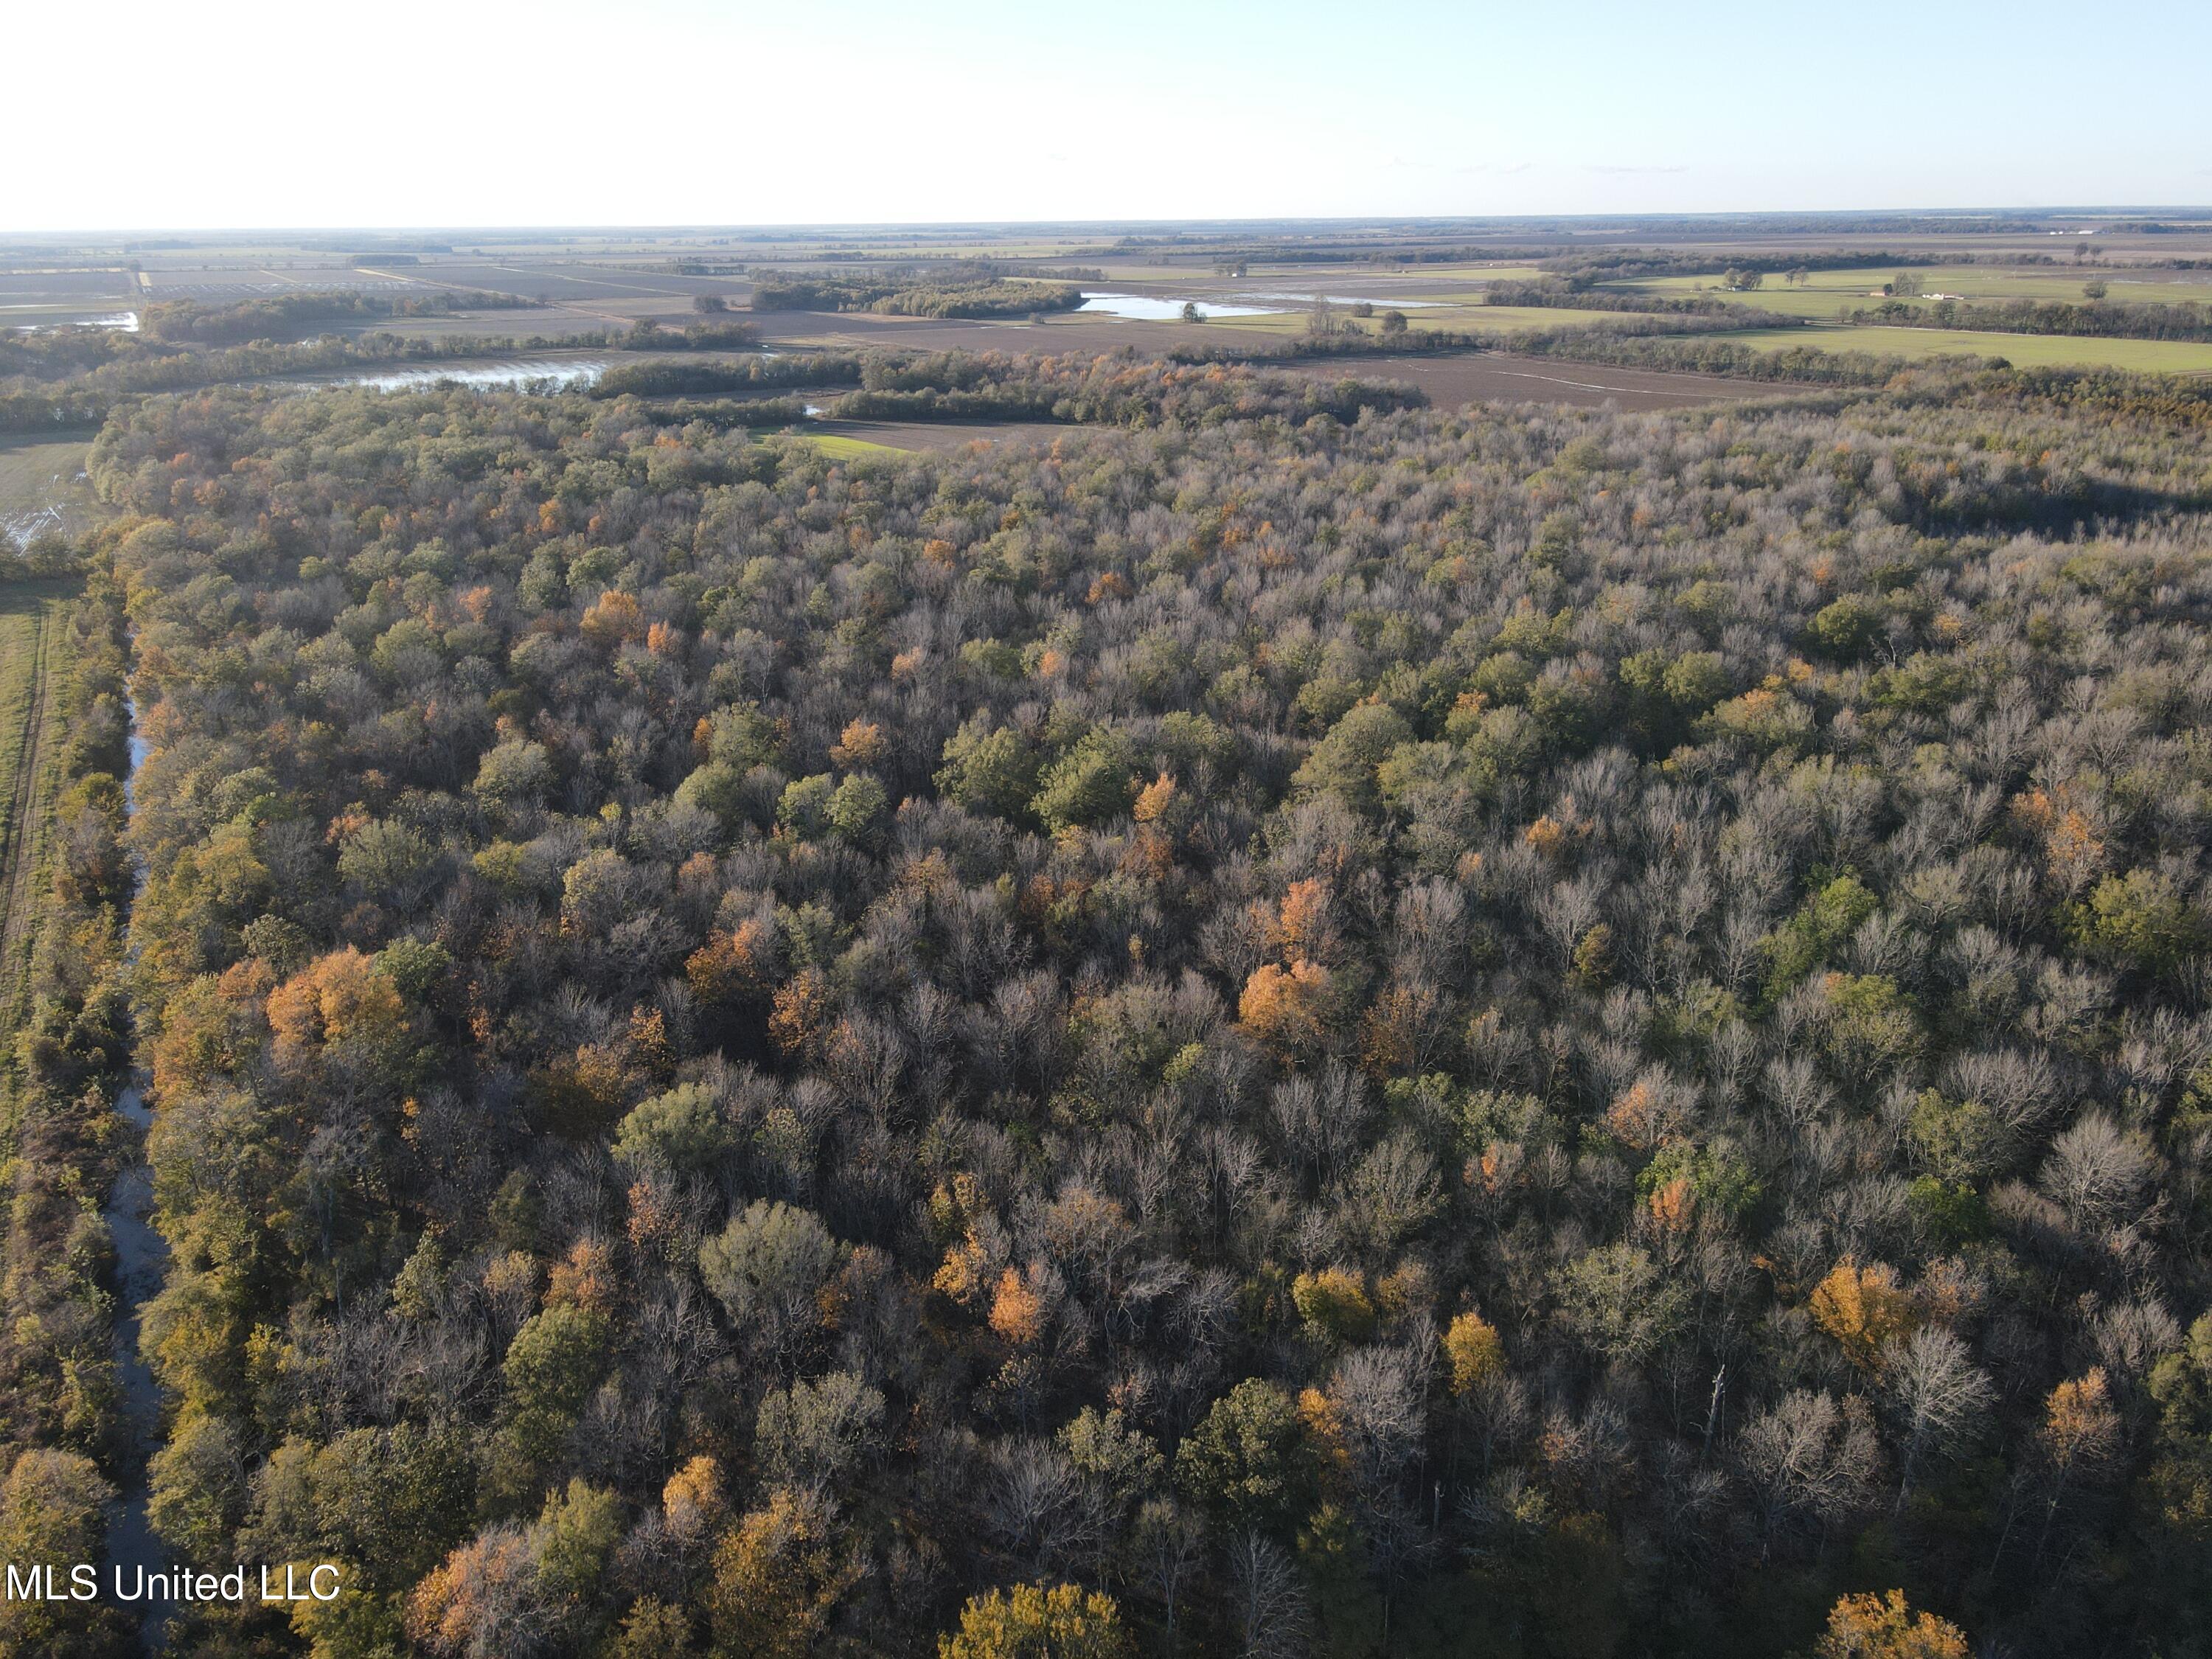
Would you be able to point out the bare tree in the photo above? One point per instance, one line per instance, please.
(1269, 1605)
(2096, 1172)
(1939, 1394)
(1034, 1505)
(1166, 1544)
(1807, 1461)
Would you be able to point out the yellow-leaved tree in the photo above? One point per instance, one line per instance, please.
(1032, 1622)
(1883, 1627)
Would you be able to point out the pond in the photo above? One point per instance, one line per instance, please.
(1151, 308)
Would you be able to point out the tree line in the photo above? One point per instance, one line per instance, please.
(63, 1447)
(2095, 317)
(1556, 291)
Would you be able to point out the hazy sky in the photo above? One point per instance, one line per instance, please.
(665, 112)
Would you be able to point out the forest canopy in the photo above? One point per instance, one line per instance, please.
(1352, 1029)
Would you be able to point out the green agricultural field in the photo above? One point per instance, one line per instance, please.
(1459, 296)
(1820, 298)
(1510, 319)
(33, 640)
(1825, 292)
(2025, 350)
(840, 447)
(40, 488)
(2045, 284)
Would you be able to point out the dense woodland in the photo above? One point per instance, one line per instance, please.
(951, 292)
(1326, 1029)
(1113, 389)
(296, 315)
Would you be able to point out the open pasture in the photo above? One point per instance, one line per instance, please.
(2024, 350)
(1470, 319)
(33, 643)
(42, 488)
(1824, 293)
(843, 446)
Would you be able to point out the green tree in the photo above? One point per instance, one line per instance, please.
(2139, 920)
(577, 1532)
(1618, 1302)
(1345, 762)
(1823, 924)
(53, 1516)
(1088, 785)
(652, 1629)
(513, 776)
(989, 769)
(554, 1362)
(856, 809)
(197, 1485)
(682, 1127)
(717, 787)
(1845, 627)
(1247, 1460)
(768, 1268)
(2172, 1507)
(557, 1359)
(805, 809)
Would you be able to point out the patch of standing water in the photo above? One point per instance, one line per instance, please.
(1151, 308)
(141, 1255)
(564, 374)
(125, 321)
(1342, 300)
(18, 528)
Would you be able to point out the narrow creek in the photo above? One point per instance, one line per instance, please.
(141, 1255)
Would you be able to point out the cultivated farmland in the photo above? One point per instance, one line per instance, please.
(2027, 350)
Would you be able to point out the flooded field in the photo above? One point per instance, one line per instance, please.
(1152, 308)
(557, 374)
(1308, 298)
(50, 318)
